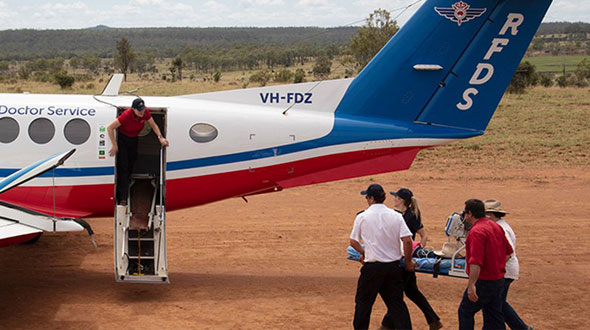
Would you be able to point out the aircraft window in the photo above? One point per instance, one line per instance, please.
(202, 132)
(77, 131)
(8, 130)
(41, 130)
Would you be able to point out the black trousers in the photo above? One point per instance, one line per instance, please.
(490, 301)
(413, 293)
(386, 280)
(510, 316)
(125, 160)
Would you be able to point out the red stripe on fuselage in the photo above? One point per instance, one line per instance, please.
(97, 200)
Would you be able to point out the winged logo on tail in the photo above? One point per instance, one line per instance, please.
(460, 12)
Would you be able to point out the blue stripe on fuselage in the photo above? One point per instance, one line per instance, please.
(347, 129)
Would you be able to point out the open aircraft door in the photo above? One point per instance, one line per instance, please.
(140, 226)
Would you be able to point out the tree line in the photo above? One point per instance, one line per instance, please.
(28, 44)
(160, 42)
(270, 51)
(563, 28)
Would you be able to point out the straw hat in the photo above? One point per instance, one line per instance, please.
(447, 251)
(493, 205)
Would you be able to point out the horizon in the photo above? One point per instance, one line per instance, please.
(85, 14)
(103, 26)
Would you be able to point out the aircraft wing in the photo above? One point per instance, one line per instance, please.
(34, 170)
(12, 232)
(19, 224)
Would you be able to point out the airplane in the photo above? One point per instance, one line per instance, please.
(438, 80)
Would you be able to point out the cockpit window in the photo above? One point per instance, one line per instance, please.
(41, 130)
(77, 131)
(202, 132)
(9, 130)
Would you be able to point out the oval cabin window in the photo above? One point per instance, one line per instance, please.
(41, 130)
(8, 130)
(77, 131)
(202, 133)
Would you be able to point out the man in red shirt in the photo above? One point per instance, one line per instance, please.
(129, 124)
(486, 252)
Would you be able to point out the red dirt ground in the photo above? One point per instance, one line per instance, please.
(279, 260)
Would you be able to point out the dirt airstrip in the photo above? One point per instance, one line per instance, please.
(279, 260)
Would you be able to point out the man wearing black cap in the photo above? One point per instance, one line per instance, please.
(129, 124)
(380, 229)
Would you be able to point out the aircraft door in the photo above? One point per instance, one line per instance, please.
(140, 219)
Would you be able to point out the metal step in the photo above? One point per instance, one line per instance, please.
(143, 279)
(140, 256)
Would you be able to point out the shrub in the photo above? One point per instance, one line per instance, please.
(562, 80)
(322, 67)
(64, 80)
(24, 72)
(546, 79)
(43, 76)
(524, 77)
(283, 76)
(262, 77)
(299, 76)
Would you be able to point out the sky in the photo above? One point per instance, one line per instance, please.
(78, 14)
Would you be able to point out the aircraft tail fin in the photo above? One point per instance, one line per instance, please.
(449, 65)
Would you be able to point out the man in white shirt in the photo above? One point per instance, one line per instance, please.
(381, 229)
(494, 212)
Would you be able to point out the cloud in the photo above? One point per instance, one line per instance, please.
(3, 8)
(179, 8)
(309, 3)
(57, 15)
(568, 10)
(68, 14)
(146, 2)
(401, 10)
(59, 7)
(319, 12)
(249, 3)
(5, 12)
(215, 6)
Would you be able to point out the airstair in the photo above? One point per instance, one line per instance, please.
(140, 236)
(140, 226)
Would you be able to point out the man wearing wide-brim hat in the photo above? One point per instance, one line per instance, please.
(495, 212)
(486, 252)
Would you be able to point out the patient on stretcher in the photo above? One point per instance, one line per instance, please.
(448, 261)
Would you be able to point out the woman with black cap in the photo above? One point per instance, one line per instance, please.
(406, 203)
(129, 124)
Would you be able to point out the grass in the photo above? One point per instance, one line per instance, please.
(555, 63)
(546, 127)
(152, 84)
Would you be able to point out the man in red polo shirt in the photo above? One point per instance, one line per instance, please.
(486, 252)
(129, 124)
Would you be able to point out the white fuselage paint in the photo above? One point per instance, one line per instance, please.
(241, 127)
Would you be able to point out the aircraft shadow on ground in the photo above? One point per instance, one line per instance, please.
(38, 280)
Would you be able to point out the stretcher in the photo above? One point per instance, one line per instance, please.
(453, 265)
